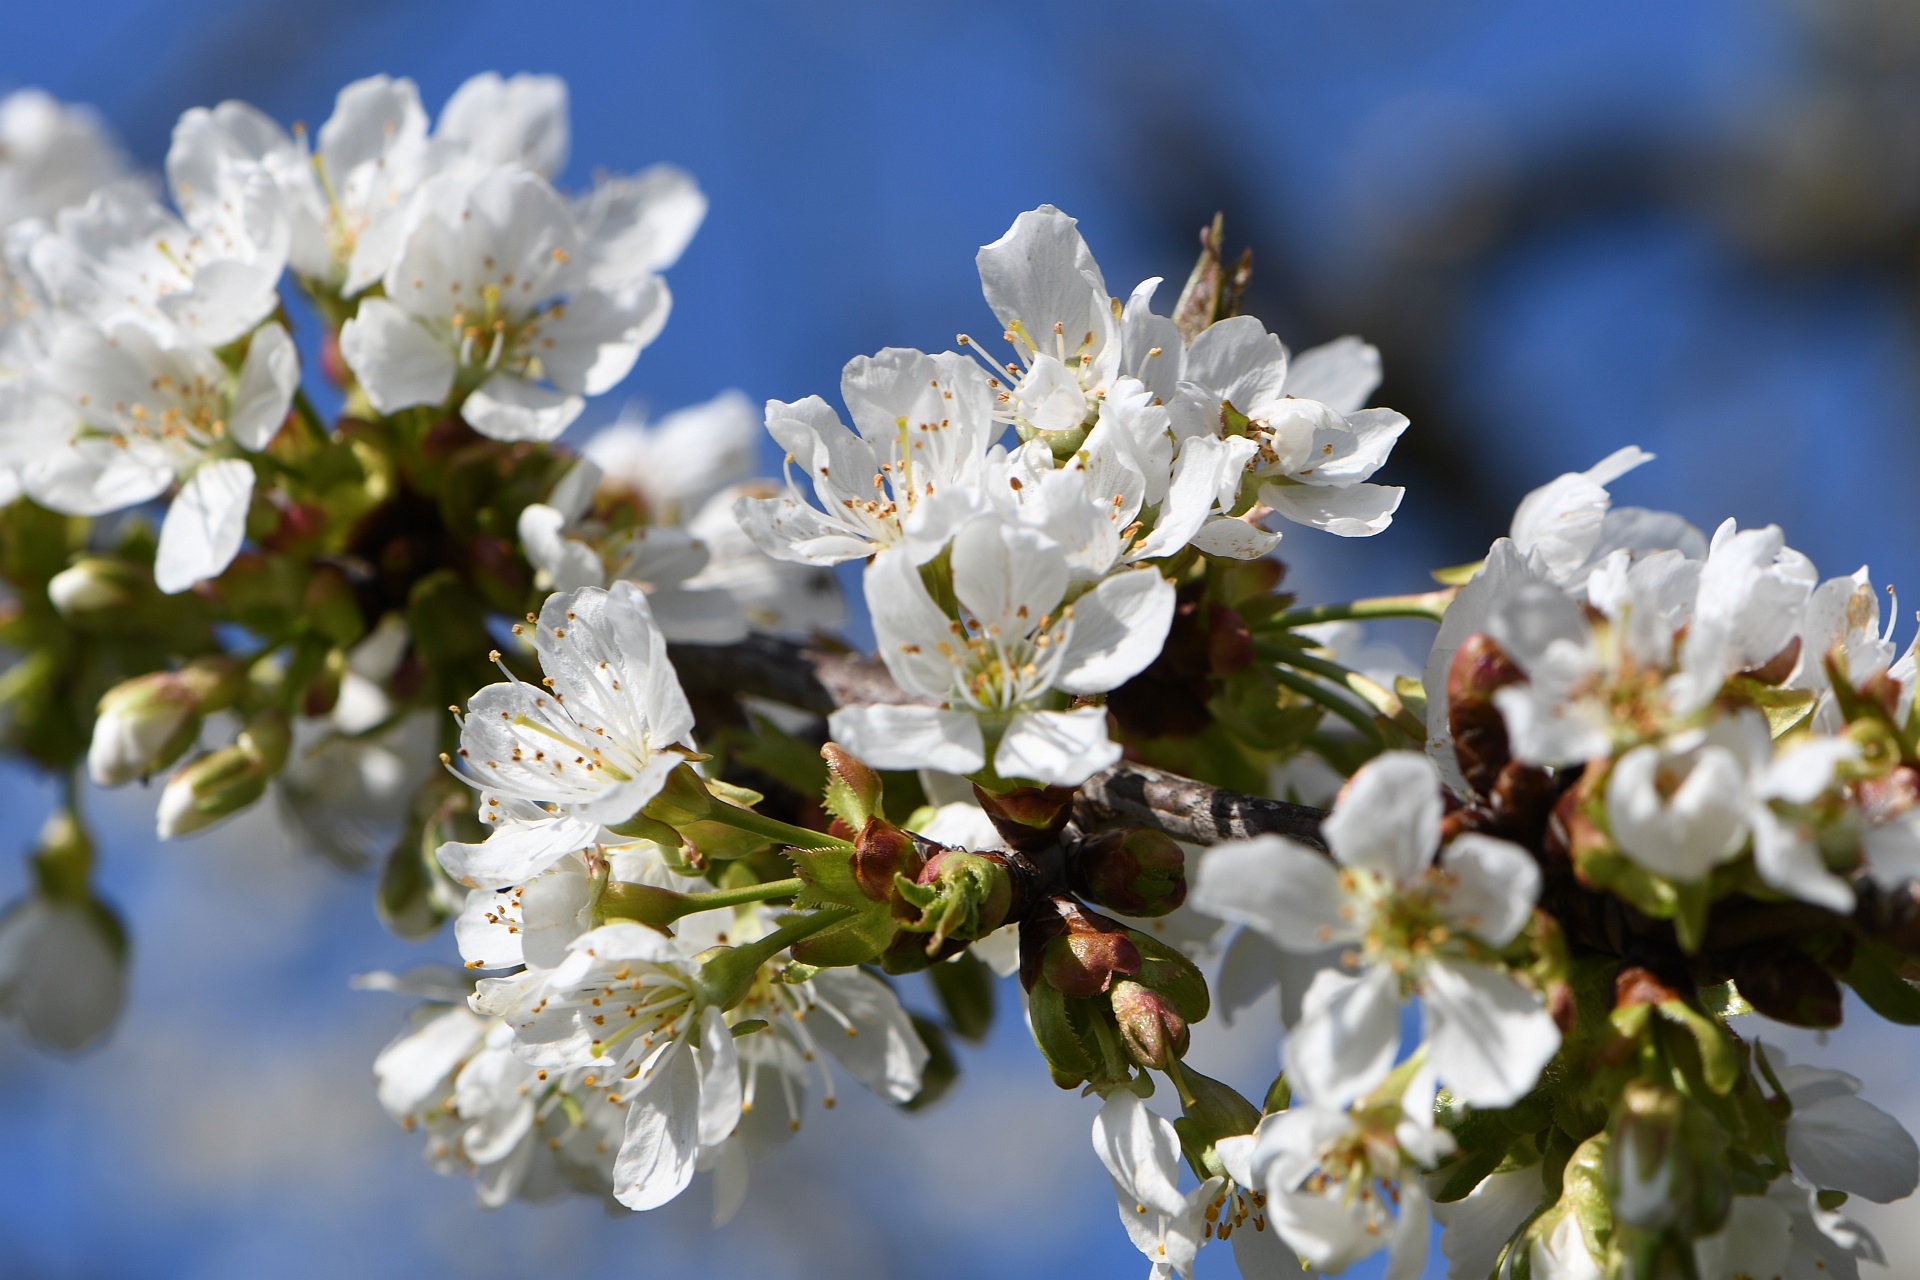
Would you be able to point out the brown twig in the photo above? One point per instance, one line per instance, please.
(818, 679)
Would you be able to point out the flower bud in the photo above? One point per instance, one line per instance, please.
(1077, 951)
(148, 722)
(1666, 1165)
(63, 857)
(226, 781)
(1140, 873)
(957, 894)
(1479, 669)
(882, 851)
(1154, 1032)
(1027, 818)
(96, 592)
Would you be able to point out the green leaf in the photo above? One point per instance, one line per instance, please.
(856, 941)
(1873, 976)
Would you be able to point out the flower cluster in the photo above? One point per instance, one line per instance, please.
(1011, 587)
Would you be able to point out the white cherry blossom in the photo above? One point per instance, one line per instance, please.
(63, 971)
(144, 408)
(590, 747)
(909, 476)
(1342, 1183)
(1006, 669)
(1418, 926)
(626, 1002)
(495, 294)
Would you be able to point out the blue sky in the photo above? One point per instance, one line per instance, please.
(856, 154)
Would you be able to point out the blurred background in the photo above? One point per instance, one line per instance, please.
(1692, 225)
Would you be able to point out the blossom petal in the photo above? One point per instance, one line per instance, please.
(1340, 374)
(1141, 1152)
(514, 852)
(1387, 819)
(662, 1137)
(1118, 628)
(1234, 538)
(205, 525)
(890, 737)
(1488, 1036)
(398, 363)
(268, 379)
(720, 1095)
(1491, 887)
(1356, 511)
(1061, 748)
(1347, 1036)
(567, 564)
(872, 1036)
(1288, 892)
(1845, 1143)
(509, 408)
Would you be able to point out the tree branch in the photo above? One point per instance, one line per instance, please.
(819, 679)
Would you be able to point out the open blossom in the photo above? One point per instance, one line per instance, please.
(501, 291)
(1838, 1141)
(1317, 448)
(1417, 924)
(654, 504)
(518, 1131)
(627, 1003)
(1006, 669)
(1342, 1183)
(590, 746)
(144, 408)
(1047, 292)
(1141, 1151)
(908, 474)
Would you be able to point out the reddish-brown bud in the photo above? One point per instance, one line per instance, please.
(1077, 951)
(880, 852)
(1139, 872)
(1153, 1029)
(1027, 818)
(1480, 668)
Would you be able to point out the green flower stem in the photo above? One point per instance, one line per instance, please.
(740, 897)
(773, 829)
(727, 978)
(1333, 702)
(1383, 700)
(1431, 605)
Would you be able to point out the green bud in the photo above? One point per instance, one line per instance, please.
(1139, 873)
(97, 593)
(646, 903)
(226, 781)
(63, 857)
(682, 800)
(146, 723)
(957, 894)
(1666, 1164)
(1027, 818)
(332, 608)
